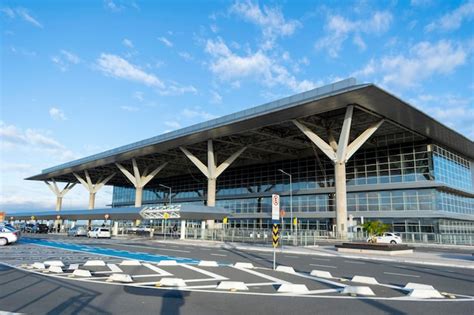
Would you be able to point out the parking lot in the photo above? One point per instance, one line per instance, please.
(156, 268)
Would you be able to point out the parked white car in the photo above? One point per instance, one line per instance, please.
(8, 235)
(386, 238)
(99, 232)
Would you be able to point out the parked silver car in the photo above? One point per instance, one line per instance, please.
(77, 231)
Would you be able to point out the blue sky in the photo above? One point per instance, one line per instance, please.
(80, 77)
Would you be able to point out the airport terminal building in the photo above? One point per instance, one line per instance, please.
(337, 155)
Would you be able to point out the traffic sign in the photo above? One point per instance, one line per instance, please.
(275, 235)
(166, 216)
(275, 207)
(295, 221)
(225, 220)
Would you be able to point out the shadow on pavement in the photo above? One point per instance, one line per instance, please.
(172, 300)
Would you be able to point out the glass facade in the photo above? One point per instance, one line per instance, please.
(247, 190)
(452, 169)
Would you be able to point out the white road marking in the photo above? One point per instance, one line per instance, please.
(291, 256)
(401, 274)
(354, 262)
(323, 259)
(204, 272)
(325, 266)
(222, 255)
(262, 275)
(114, 268)
(156, 269)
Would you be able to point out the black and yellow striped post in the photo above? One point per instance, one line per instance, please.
(276, 239)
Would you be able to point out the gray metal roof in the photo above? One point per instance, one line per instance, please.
(187, 212)
(372, 103)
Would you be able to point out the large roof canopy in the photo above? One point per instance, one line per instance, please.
(270, 135)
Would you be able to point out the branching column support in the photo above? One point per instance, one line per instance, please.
(59, 193)
(139, 180)
(212, 171)
(92, 188)
(339, 153)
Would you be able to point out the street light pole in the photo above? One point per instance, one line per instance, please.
(164, 186)
(291, 199)
(169, 205)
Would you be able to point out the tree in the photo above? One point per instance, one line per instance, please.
(375, 228)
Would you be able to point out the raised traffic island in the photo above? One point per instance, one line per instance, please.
(371, 248)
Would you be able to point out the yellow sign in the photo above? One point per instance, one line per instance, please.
(276, 235)
(225, 220)
(166, 215)
(32, 217)
(295, 221)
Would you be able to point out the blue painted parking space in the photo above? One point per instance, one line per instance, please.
(107, 251)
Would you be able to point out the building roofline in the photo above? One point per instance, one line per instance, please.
(370, 97)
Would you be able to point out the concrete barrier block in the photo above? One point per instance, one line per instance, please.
(293, 288)
(55, 269)
(286, 269)
(38, 265)
(54, 263)
(363, 279)
(414, 285)
(81, 273)
(355, 290)
(130, 263)
(232, 286)
(425, 294)
(244, 265)
(171, 282)
(95, 263)
(167, 263)
(321, 274)
(119, 277)
(208, 263)
(73, 267)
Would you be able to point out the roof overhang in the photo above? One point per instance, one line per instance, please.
(187, 212)
(367, 97)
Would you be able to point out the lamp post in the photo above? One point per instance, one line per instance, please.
(163, 222)
(291, 200)
(164, 186)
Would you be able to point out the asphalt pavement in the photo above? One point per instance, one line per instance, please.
(33, 291)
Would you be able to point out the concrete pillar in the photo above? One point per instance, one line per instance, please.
(203, 229)
(59, 203)
(91, 200)
(138, 196)
(183, 230)
(211, 192)
(92, 188)
(73, 223)
(139, 179)
(59, 193)
(341, 199)
(115, 228)
(339, 153)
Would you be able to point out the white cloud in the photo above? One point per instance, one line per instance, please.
(12, 137)
(138, 95)
(216, 98)
(423, 60)
(173, 124)
(130, 108)
(165, 41)
(112, 6)
(270, 19)
(338, 30)
(22, 13)
(128, 43)
(453, 20)
(57, 114)
(197, 113)
(453, 111)
(65, 59)
(185, 55)
(229, 66)
(117, 67)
